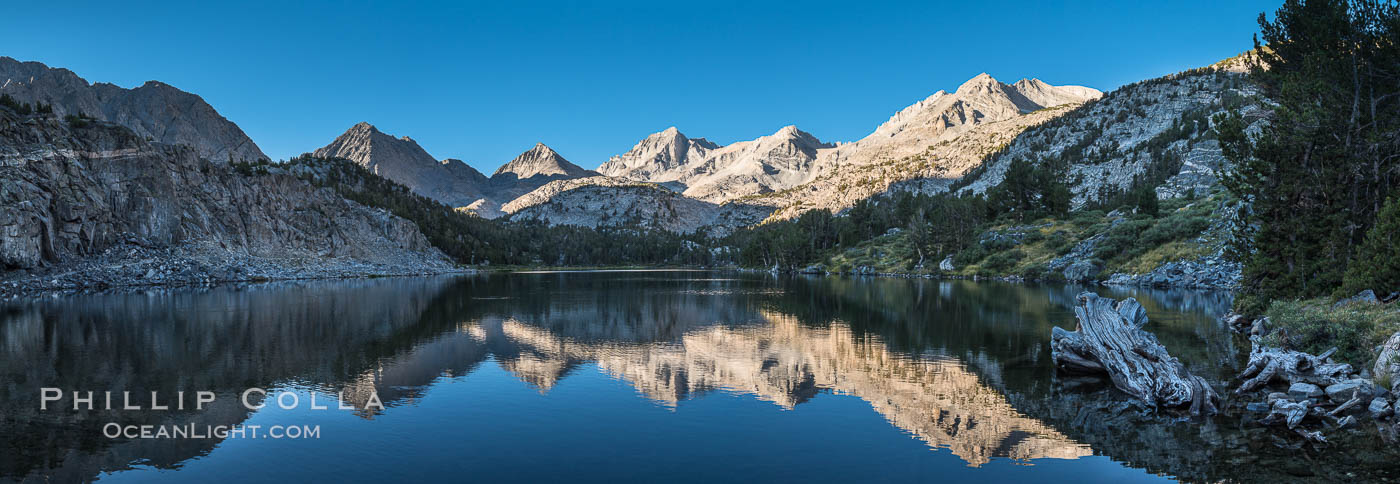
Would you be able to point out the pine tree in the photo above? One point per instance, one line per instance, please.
(1377, 264)
(1316, 176)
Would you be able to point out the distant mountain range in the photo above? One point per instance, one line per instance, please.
(754, 171)
(924, 147)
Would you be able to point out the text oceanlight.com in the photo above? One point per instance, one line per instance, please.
(56, 399)
(115, 430)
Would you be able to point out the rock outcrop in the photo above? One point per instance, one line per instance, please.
(450, 181)
(154, 110)
(1388, 362)
(99, 193)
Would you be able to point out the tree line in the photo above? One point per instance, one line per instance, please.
(1320, 178)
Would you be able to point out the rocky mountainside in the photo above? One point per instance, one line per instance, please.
(92, 203)
(713, 173)
(791, 171)
(539, 161)
(530, 170)
(608, 201)
(941, 136)
(154, 110)
(450, 181)
(659, 157)
(701, 169)
(764, 165)
(1155, 131)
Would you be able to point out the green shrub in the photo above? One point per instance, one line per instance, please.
(969, 256)
(1316, 325)
(1037, 271)
(1001, 262)
(1060, 241)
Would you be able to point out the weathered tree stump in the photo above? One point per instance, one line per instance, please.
(1110, 339)
(1267, 364)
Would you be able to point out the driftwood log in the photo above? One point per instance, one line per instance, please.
(1267, 364)
(1110, 339)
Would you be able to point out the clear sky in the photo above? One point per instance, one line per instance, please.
(484, 82)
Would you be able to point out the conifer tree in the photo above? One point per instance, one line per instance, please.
(1316, 176)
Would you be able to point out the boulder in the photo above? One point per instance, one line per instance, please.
(947, 264)
(1341, 392)
(1236, 322)
(1388, 362)
(1260, 327)
(1082, 271)
(1364, 297)
(1303, 391)
(1380, 408)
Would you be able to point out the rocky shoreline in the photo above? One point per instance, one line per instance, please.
(134, 267)
(1210, 274)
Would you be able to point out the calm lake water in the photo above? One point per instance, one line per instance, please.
(600, 376)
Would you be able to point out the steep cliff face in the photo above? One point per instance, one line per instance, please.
(76, 192)
(154, 110)
(450, 181)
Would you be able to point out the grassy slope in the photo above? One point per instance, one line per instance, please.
(1183, 230)
(1313, 326)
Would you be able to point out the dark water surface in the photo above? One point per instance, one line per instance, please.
(595, 376)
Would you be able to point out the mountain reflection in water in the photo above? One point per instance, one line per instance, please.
(963, 367)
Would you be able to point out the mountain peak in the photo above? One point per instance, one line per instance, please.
(154, 109)
(362, 127)
(541, 160)
(659, 152)
(983, 81)
(402, 160)
(791, 133)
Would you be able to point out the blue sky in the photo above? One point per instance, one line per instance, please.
(484, 82)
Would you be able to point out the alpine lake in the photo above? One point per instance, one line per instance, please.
(656, 376)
